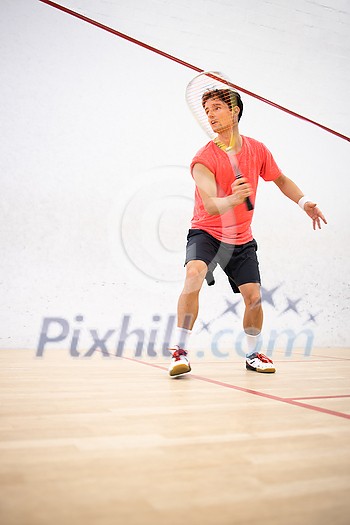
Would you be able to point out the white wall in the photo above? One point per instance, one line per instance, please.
(96, 140)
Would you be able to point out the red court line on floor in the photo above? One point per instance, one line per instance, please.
(288, 401)
(320, 397)
(200, 361)
(305, 360)
(332, 358)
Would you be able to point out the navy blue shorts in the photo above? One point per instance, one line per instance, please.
(239, 262)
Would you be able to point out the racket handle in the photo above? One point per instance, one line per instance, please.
(249, 204)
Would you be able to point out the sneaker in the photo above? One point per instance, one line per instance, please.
(260, 363)
(179, 362)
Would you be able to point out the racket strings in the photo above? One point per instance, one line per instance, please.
(205, 84)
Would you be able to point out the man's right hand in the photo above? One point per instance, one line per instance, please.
(241, 189)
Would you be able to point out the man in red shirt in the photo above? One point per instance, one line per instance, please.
(221, 226)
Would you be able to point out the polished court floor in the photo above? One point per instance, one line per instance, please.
(116, 441)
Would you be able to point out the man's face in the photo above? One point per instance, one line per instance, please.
(219, 115)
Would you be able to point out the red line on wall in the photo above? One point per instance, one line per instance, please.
(191, 66)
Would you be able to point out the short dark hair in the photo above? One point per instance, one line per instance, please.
(228, 96)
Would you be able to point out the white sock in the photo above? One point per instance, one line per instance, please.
(254, 343)
(181, 338)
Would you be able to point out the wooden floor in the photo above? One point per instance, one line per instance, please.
(111, 441)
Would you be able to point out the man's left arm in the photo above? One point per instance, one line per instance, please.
(291, 190)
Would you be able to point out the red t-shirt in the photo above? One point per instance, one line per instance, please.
(254, 161)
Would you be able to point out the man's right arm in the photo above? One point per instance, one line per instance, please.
(206, 184)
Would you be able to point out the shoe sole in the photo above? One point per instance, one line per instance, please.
(261, 371)
(180, 369)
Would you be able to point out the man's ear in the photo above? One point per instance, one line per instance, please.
(235, 114)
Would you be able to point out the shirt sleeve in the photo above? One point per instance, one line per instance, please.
(269, 169)
(205, 157)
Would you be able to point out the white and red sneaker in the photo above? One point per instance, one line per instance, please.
(260, 363)
(179, 362)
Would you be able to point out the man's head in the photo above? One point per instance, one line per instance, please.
(228, 96)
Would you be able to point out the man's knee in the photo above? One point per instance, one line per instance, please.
(195, 274)
(251, 295)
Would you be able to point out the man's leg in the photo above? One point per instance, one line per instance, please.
(252, 324)
(253, 314)
(188, 304)
(187, 310)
